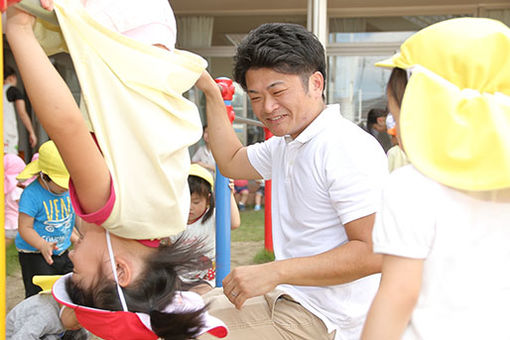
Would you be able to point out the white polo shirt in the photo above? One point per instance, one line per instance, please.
(330, 175)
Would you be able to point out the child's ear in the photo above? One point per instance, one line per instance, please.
(124, 271)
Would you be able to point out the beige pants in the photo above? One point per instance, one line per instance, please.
(273, 316)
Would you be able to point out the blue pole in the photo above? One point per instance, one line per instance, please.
(222, 193)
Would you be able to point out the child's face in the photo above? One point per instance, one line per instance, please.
(206, 136)
(89, 255)
(57, 189)
(199, 205)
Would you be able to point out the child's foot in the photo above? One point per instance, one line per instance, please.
(256, 208)
(242, 207)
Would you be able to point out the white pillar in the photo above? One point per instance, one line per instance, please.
(318, 19)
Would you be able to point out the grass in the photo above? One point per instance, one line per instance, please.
(252, 230)
(11, 259)
(252, 227)
(263, 256)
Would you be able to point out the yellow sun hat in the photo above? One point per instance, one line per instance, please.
(455, 113)
(200, 171)
(49, 163)
(46, 282)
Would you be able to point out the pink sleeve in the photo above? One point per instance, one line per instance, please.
(97, 217)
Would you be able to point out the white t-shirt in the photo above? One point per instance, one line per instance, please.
(331, 174)
(204, 232)
(464, 239)
(204, 155)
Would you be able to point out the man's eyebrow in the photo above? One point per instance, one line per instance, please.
(268, 87)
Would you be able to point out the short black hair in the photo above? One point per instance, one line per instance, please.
(372, 116)
(8, 71)
(199, 186)
(285, 48)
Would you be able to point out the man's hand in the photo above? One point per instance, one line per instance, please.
(207, 84)
(250, 281)
(46, 249)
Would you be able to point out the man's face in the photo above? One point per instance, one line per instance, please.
(281, 102)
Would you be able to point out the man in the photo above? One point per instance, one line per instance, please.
(13, 102)
(326, 174)
(376, 126)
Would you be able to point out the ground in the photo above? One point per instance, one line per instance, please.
(242, 253)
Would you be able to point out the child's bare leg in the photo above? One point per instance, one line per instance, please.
(59, 114)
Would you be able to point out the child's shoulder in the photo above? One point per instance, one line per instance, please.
(32, 188)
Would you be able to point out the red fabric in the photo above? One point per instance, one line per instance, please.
(113, 325)
(97, 217)
(219, 332)
(241, 182)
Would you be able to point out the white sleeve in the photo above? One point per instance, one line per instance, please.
(260, 156)
(405, 226)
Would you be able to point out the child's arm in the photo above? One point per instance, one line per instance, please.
(59, 114)
(235, 218)
(398, 292)
(27, 232)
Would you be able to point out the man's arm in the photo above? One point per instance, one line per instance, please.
(229, 153)
(348, 262)
(396, 298)
(21, 109)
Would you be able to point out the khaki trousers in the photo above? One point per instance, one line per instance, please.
(273, 316)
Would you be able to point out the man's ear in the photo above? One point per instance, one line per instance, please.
(124, 271)
(316, 84)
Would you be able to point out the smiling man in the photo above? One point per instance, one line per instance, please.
(326, 175)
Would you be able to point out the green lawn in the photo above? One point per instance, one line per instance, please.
(252, 227)
(11, 259)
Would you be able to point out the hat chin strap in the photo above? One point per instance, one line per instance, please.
(112, 261)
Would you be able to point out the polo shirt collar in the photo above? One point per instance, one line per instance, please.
(317, 125)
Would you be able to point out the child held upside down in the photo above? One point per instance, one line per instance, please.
(137, 193)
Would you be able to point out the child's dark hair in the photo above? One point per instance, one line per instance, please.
(8, 71)
(153, 291)
(397, 84)
(285, 48)
(201, 187)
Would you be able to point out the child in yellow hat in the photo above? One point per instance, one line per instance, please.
(46, 219)
(444, 227)
(201, 226)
